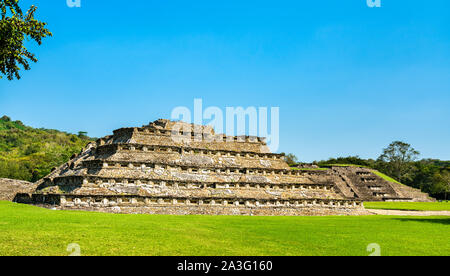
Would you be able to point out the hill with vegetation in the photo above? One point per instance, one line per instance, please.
(29, 154)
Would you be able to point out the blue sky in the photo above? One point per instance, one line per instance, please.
(348, 79)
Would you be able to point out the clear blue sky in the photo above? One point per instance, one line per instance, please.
(348, 79)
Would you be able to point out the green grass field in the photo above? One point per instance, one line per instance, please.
(385, 177)
(29, 230)
(415, 206)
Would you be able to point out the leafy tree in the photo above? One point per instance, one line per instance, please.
(397, 160)
(290, 158)
(82, 134)
(5, 118)
(423, 175)
(442, 183)
(15, 28)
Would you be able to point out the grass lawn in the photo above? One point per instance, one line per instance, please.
(385, 177)
(416, 206)
(28, 230)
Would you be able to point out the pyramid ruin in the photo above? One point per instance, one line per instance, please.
(161, 168)
(366, 185)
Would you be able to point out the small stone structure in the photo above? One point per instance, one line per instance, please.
(307, 166)
(363, 184)
(157, 169)
(10, 187)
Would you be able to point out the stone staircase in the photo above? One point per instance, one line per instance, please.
(367, 186)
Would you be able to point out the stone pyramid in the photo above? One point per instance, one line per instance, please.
(159, 169)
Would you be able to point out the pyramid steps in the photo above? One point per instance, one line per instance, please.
(370, 187)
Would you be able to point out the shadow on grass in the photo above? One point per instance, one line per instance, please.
(444, 221)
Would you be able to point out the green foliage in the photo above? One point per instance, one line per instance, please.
(82, 134)
(290, 158)
(350, 160)
(398, 160)
(442, 180)
(29, 230)
(30, 154)
(5, 118)
(15, 28)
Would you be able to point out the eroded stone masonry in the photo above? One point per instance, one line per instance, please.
(156, 169)
(365, 185)
(9, 188)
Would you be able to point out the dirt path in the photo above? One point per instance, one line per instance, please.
(408, 213)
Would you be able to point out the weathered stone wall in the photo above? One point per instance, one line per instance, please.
(204, 206)
(10, 187)
(186, 156)
(93, 186)
(226, 211)
(415, 195)
(163, 133)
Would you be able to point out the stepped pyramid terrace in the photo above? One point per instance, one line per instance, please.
(366, 184)
(158, 169)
